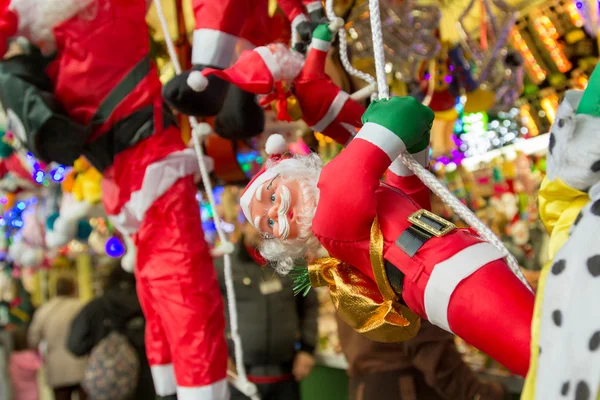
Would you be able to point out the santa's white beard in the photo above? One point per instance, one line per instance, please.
(283, 253)
(37, 18)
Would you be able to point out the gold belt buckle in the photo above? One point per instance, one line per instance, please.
(417, 220)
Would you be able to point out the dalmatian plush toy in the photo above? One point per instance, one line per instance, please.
(566, 355)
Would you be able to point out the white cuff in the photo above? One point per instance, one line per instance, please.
(314, 6)
(320, 44)
(163, 377)
(215, 391)
(448, 274)
(213, 48)
(398, 168)
(297, 21)
(334, 110)
(383, 138)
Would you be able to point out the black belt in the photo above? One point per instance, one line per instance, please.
(425, 225)
(124, 134)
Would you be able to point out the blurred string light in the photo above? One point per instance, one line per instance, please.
(250, 161)
(572, 9)
(533, 68)
(114, 247)
(549, 35)
(528, 121)
(550, 106)
(40, 176)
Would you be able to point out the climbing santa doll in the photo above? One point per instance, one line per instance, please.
(223, 29)
(101, 96)
(392, 260)
(294, 86)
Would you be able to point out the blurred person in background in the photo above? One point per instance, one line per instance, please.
(24, 366)
(278, 329)
(51, 325)
(427, 366)
(118, 308)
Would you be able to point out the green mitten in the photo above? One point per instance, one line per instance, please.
(421, 145)
(406, 117)
(322, 32)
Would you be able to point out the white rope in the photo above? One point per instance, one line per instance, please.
(344, 48)
(427, 177)
(225, 247)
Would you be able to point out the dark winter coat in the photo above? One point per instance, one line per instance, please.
(119, 308)
(275, 326)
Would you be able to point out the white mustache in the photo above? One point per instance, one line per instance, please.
(284, 207)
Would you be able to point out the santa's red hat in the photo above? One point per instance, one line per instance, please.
(275, 148)
(256, 71)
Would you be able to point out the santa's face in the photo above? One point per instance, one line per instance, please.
(276, 208)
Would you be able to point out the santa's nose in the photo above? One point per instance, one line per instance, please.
(272, 213)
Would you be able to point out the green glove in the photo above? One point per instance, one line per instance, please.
(406, 117)
(322, 32)
(421, 145)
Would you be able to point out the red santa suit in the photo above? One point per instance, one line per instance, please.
(456, 281)
(325, 107)
(102, 72)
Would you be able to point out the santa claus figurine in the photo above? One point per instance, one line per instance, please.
(104, 79)
(283, 76)
(223, 29)
(401, 261)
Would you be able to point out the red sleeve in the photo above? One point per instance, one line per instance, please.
(412, 186)
(348, 202)
(9, 23)
(314, 65)
(291, 8)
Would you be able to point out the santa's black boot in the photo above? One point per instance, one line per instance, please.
(170, 397)
(206, 103)
(240, 117)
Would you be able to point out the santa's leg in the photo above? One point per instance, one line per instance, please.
(158, 351)
(218, 27)
(477, 297)
(174, 260)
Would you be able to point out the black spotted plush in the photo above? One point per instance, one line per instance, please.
(570, 315)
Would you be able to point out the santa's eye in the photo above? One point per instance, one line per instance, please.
(271, 222)
(273, 198)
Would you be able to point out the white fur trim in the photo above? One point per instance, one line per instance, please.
(383, 138)
(270, 61)
(314, 6)
(214, 48)
(398, 168)
(158, 178)
(334, 110)
(246, 198)
(448, 274)
(128, 260)
(300, 18)
(320, 44)
(275, 144)
(163, 377)
(37, 19)
(197, 81)
(215, 391)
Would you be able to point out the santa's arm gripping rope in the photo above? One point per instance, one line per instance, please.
(446, 275)
(104, 78)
